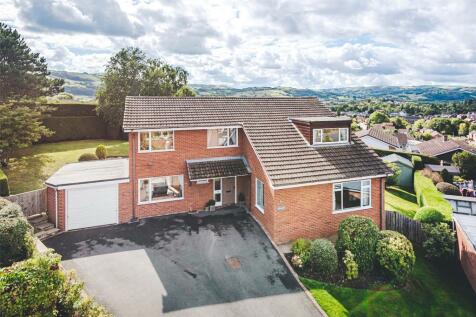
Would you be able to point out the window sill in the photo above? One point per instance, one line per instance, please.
(158, 201)
(221, 147)
(350, 210)
(331, 143)
(260, 209)
(155, 151)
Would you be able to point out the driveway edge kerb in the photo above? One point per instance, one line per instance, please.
(290, 268)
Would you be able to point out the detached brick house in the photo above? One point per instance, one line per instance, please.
(291, 162)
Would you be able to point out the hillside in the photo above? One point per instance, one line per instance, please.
(83, 86)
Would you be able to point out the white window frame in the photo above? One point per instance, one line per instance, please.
(314, 132)
(150, 201)
(228, 138)
(150, 141)
(341, 190)
(260, 208)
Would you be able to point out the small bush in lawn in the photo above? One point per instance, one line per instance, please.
(87, 157)
(16, 241)
(428, 215)
(322, 258)
(448, 189)
(439, 241)
(4, 202)
(351, 267)
(359, 235)
(101, 152)
(395, 255)
(417, 162)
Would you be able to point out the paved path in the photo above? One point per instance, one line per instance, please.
(184, 266)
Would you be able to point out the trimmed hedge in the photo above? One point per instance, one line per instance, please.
(425, 159)
(439, 241)
(417, 162)
(428, 195)
(4, 188)
(101, 152)
(75, 128)
(448, 189)
(359, 235)
(73, 110)
(395, 255)
(429, 215)
(16, 241)
(322, 258)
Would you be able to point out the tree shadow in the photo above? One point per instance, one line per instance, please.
(27, 172)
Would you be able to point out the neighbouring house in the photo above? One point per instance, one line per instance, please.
(452, 170)
(472, 136)
(383, 138)
(434, 134)
(406, 169)
(444, 150)
(293, 164)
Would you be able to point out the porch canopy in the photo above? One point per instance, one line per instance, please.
(203, 169)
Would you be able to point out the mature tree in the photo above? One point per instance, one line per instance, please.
(130, 73)
(472, 127)
(418, 125)
(442, 125)
(23, 74)
(463, 129)
(378, 117)
(426, 136)
(20, 126)
(185, 91)
(399, 122)
(466, 163)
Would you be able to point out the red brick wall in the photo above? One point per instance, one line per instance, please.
(467, 256)
(61, 209)
(190, 144)
(125, 202)
(308, 212)
(51, 204)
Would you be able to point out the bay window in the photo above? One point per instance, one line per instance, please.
(164, 188)
(351, 195)
(222, 137)
(330, 135)
(156, 141)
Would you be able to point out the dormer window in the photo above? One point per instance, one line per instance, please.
(330, 135)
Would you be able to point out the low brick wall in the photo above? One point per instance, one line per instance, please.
(466, 255)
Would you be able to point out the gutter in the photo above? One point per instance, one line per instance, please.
(133, 178)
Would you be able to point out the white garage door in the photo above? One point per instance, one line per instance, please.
(91, 206)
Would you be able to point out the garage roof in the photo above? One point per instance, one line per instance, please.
(90, 172)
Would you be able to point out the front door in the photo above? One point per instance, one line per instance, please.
(217, 191)
(228, 191)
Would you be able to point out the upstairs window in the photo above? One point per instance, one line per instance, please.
(351, 195)
(156, 141)
(225, 137)
(330, 135)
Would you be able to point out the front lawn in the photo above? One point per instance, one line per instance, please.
(401, 200)
(432, 290)
(30, 167)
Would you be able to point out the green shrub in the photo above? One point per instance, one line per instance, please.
(74, 127)
(448, 189)
(436, 178)
(392, 180)
(428, 195)
(439, 241)
(38, 287)
(101, 152)
(359, 235)
(395, 255)
(16, 241)
(4, 188)
(417, 162)
(429, 215)
(301, 246)
(4, 202)
(322, 258)
(87, 157)
(351, 267)
(447, 177)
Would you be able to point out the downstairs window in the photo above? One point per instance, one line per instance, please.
(352, 195)
(163, 188)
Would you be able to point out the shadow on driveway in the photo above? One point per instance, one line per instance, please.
(184, 266)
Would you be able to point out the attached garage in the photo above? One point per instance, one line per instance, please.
(86, 194)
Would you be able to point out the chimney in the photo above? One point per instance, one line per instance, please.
(441, 163)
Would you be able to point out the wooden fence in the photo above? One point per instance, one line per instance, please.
(32, 203)
(408, 227)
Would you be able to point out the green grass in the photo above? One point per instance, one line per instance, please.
(402, 200)
(427, 195)
(432, 290)
(30, 167)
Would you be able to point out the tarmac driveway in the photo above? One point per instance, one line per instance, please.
(184, 266)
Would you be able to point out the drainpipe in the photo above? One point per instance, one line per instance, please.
(382, 206)
(56, 207)
(133, 177)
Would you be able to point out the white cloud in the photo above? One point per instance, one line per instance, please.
(310, 44)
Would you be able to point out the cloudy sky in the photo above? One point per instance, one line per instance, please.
(304, 44)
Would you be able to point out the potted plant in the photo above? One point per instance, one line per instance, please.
(241, 199)
(210, 206)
